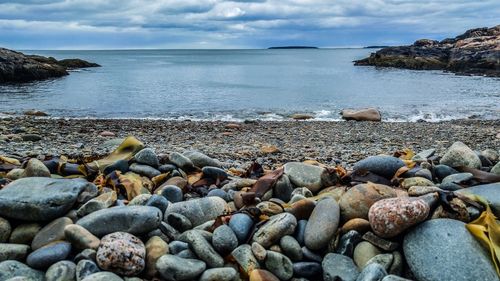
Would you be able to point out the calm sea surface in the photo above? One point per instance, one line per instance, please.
(249, 84)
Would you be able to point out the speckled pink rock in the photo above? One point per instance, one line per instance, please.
(121, 253)
(390, 217)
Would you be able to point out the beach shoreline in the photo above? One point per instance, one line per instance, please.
(272, 143)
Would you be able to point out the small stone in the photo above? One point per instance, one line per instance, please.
(262, 275)
(87, 254)
(270, 208)
(13, 251)
(457, 178)
(34, 112)
(379, 242)
(322, 224)
(291, 248)
(24, 233)
(283, 188)
(180, 160)
(15, 174)
(155, 248)
(147, 156)
(424, 155)
(397, 263)
(218, 193)
(385, 166)
(277, 227)
(424, 173)
(390, 217)
(279, 264)
(35, 168)
(224, 240)
(269, 149)
(310, 176)
(81, 238)
(214, 173)
(394, 278)
(339, 267)
(121, 253)
(201, 160)
(358, 224)
(356, 202)
(202, 248)
(100, 202)
(308, 254)
(385, 260)
(300, 231)
(133, 219)
(61, 271)
(48, 255)
(307, 269)
(363, 252)
(144, 170)
(172, 193)
(198, 211)
(174, 268)
(416, 181)
(10, 269)
(260, 252)
(103, 276)
(120, 165)
(244, 257)
(460, 154)
(107, 134)
(5, 230)
(85, 268)
(442, 171)
(372, 272)
(31, 137)
(348, 243)
(219, 274)
(53, 231)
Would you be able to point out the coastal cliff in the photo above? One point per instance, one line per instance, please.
(476, 52)
(18, 67)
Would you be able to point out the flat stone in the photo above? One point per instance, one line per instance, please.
(202, 248)
(383, 244)
(134, 219)
(339, 267)
(201, 160)
(144, 170)
(174, 268)
(457, 178)
(310, 176)
(121, 253)
(42, 199)
(61, 271)
(147, 156)
(198, 211)
(52, 232)
(385, 166)
(224, 240)
(87, 254)
(214, 173)
(490, 192)
(279, 264)
(424, 155)
(444, 250)
(243, 255)
(219, 274)
(322, 224)
(80, 237)
(459, 154)
(13, 251)
(48, 255)
(277, 227)
(385, 260)
(10, 269)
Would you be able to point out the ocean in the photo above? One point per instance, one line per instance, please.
(237, 85)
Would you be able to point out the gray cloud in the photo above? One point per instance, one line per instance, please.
(235, 23)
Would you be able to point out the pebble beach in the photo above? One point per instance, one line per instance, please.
(132, 199)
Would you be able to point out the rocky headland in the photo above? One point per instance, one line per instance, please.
(16, 67)
(476, 52)
(256, 201)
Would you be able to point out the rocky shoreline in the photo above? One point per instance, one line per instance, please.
(180, 201)
(16, 67)
(476, 52)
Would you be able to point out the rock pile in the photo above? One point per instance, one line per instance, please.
(136, 215)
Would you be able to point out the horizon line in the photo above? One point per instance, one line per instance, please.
(194, 49)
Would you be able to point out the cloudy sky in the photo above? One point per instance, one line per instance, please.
(113, 24)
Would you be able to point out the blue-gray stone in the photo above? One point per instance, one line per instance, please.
(442, 171)
(176, 247)
(385, 166)
(85, 268)
(13, 251)
(307, 269)
(217, 192)
(490, 192)
(167, 168)
(120, 165)
(279, 264)
(202, 248)
(457, 178)
(300, 231)
(219, 274)
(173, 193)
(180, 160)
(339, 267)
(444, 250)
(372, 272)
(214, 173)
(134, 219)
(144, 170)
(48, 255)
(103, 276)
(42, 199)
(179, 222)
(201, 160)
(199, 211)
(322, 224)
(61, 271)
(147, 156)
(174, 268)
(10, 269)
(283, 189)
(158, 201)
(224, 240)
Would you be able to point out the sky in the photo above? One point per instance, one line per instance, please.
(172, 24)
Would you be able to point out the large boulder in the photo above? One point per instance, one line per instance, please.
(42, 199)
(364, 114)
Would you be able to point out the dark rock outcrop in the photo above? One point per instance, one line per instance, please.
(476, 52)
(18, 67)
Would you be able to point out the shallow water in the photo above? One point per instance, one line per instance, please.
(247, 84)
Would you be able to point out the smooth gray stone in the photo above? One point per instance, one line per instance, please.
(61, 271)
(180, 160)
(201, 160)
(219, 274)
(276, 227)
(245, 258)
(147, 156)
(310, 255)
(173, 193)
(496, 169)
(134, 219)
(224, 240)
(457, 178)
(385, 166)
(279, 264)
(283, 188)
(214, 173)
(10, 269)
(348, 243)
(241, 224)
(385, 260)
(174, 268)
(300, 231)
(13, 251)
(291, 248)
(339, 267)
(144, 170)
(103, 276)
(217, 192)
(490, 192)
(176, 246)
(42, 199)
(424, 154)
(444, 250)
(198, 211)
(322, 224)
(48, 255)
(158, 201)
(394, 278)
(202, 248)
(5, 230)
(307, 269)
(87, 254)
(179, 222)
(459, 154)
(372, 272)
(310, 176)
(85, 268)
(187, 254)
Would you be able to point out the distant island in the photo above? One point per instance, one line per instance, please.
(16, 67)
(476, 52)
(375, 47)
(292, 47)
